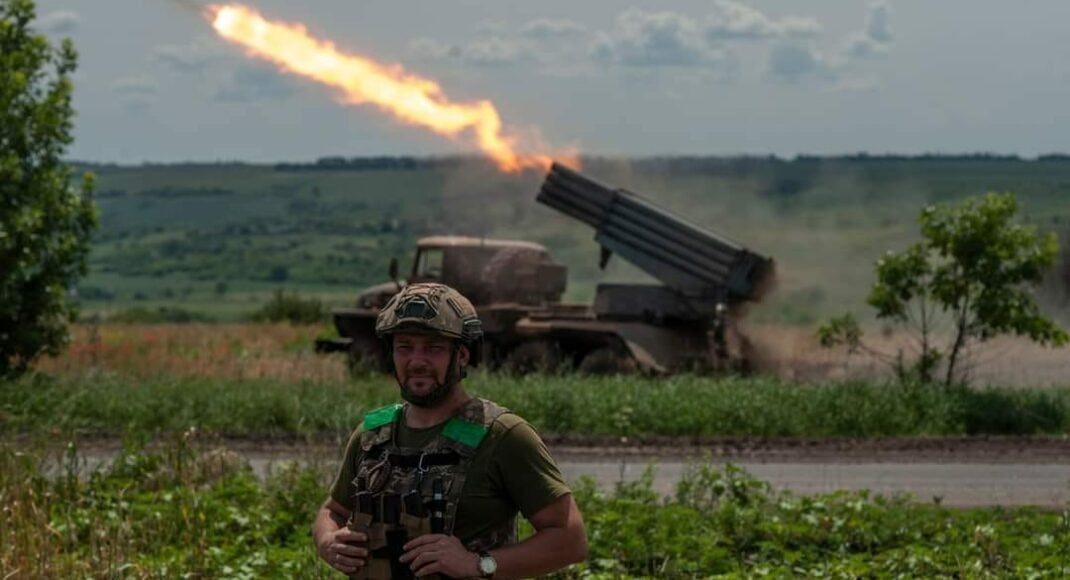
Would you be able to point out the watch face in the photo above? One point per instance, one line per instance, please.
(487, 565)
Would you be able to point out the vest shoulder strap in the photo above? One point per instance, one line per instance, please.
(381, 416)
(471, 425)
(379, 426)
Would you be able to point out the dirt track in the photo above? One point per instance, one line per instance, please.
(954, 471)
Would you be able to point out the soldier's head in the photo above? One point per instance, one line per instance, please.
(430, 335)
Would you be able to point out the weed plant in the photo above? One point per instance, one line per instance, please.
(190, 511)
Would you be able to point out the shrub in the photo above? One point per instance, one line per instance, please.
(290, 307)
(160, 315)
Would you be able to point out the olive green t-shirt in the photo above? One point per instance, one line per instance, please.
(512, 471)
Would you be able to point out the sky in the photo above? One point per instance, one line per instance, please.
(636, 78)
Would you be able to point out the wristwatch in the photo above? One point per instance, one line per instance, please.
(487, 565)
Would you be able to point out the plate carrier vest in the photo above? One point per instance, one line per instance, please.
(403, 493)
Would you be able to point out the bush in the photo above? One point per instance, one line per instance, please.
(161, 315)
(290, 307)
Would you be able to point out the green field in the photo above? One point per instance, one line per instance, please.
(95, 403)
(219, 238)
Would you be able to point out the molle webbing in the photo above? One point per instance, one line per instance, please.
(424, 460)
(390, 521)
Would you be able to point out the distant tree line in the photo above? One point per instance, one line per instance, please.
(675, 163)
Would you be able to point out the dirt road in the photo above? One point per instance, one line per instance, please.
(953, 471)
(953, 484)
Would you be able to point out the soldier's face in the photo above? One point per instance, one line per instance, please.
(422, 365)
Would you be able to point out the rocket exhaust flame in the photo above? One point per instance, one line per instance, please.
(407, 97)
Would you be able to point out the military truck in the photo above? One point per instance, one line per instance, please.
(685, 324)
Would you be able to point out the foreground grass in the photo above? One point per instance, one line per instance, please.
(109, 402)
(192, 512)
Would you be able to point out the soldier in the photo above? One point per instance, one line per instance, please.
(434, 486)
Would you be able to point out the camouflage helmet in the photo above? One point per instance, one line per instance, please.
(432, 309)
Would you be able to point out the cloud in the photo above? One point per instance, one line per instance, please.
(875, 38)
(796, 59)
(734, 21)
(651, 39)
(60, 22)
(493, 51)
(549, 28)
(792, 61)
(431, 49)
(255, 83)
(186, 58)
(877, 25)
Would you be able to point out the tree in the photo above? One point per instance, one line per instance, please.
(973, 270)
(45, 223)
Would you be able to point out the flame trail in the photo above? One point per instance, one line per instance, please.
(408, 97)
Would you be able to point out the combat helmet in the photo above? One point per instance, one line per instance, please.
(430, 309)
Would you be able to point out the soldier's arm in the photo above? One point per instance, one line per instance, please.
(533, 480)
(331, 518)
(559, 540)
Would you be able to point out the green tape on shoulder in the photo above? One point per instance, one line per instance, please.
(465, 433)
(381, 416)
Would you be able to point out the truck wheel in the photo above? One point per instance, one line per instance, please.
(607, 361)
(535, 356)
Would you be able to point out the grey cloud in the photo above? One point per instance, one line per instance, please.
(431, 49)
(862, 46)
(656, 39)
(255, 83)
(876, 37)
(734, 21)
(60, 22)
(494, 51)
(186, 58)
(877, 25)
(793, 61)
(549, 28)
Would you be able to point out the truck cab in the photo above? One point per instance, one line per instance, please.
(484, 270)
(502, 278)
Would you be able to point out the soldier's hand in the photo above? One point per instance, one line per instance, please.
(342, 550)
(440, 554)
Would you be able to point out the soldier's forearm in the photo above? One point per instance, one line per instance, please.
(326, 522)
(548, 550)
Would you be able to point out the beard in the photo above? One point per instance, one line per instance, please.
(429, 399)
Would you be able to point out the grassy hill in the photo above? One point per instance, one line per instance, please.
(219, 238)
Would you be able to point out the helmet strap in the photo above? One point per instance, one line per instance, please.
(452, 375)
